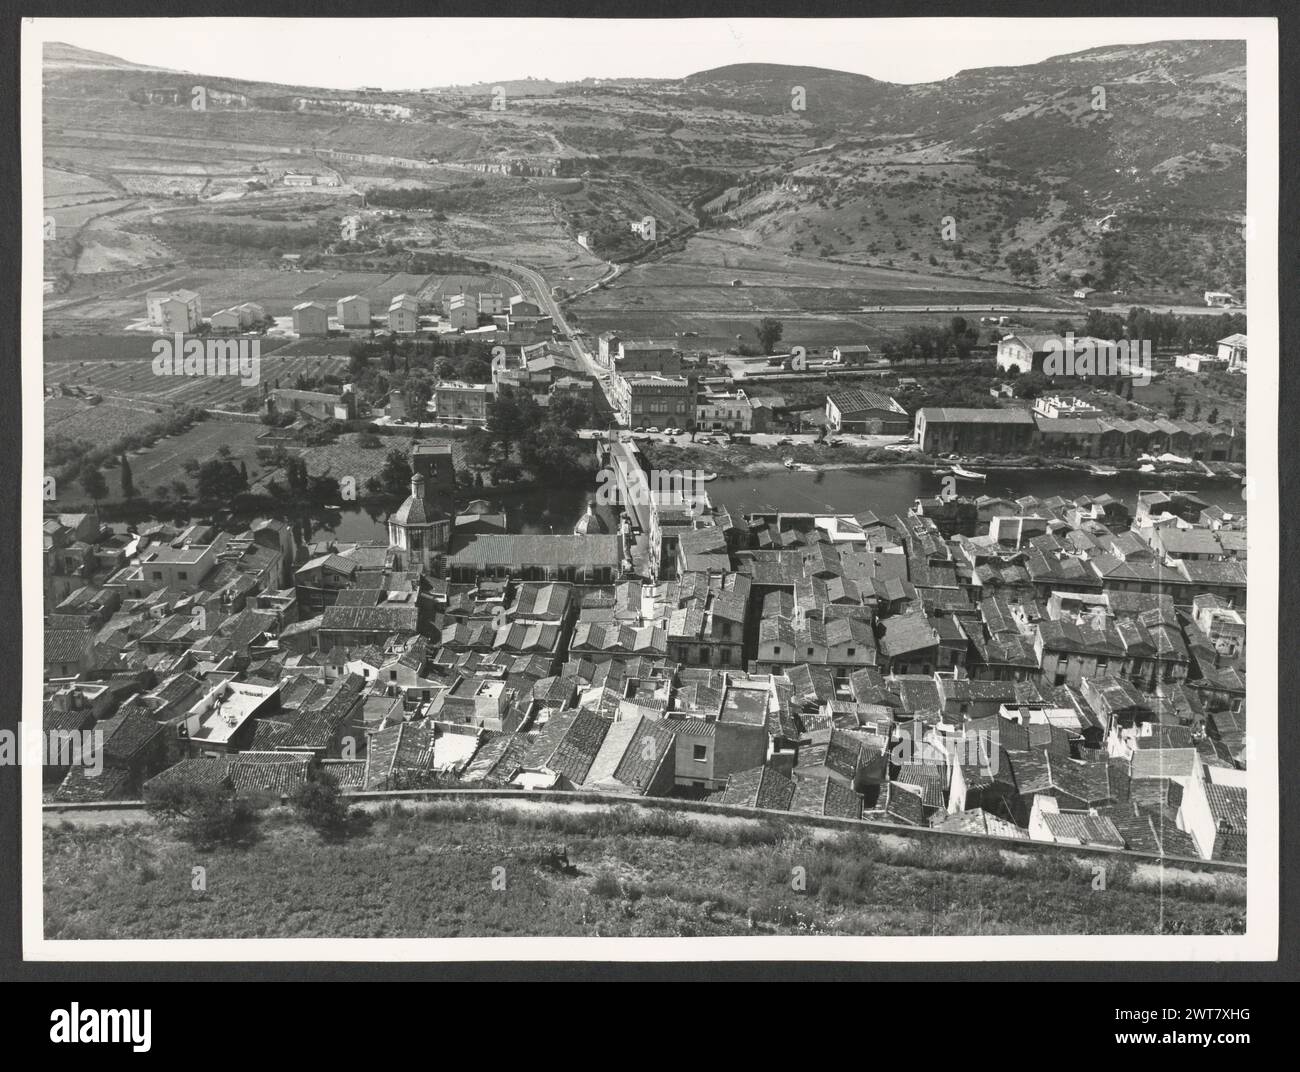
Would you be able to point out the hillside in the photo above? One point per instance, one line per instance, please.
(454, 870)
(1119, 166)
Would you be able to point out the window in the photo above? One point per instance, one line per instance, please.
(699, 752)
(776, 650)
(182, 576)
(852, 652)
(810, 651)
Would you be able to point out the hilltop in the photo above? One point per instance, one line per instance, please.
(1120, 166)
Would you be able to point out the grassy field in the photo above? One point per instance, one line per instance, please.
(718, 287)
(154, 468)
(430, 873)
(1212, 390)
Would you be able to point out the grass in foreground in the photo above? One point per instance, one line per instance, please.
(471, 869)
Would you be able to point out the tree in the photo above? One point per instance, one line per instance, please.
(1030, 385)
(220, 481)
(128, 482)
(204, 815)
(319, 804)
(1022, 263)
(507, 472)
(394, 478)
(416, 392)
(769, 334)
(478, 449)
(514, 416)
(93, 482)
(295, 472)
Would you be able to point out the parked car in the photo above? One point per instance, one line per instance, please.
(639, 428)
(706, 439)
(785, 441)
(653, 430)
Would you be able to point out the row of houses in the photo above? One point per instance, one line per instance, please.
(1061, 670)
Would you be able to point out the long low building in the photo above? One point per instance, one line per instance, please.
(590, 559)
(1113, 437)
(940, 429)
(867, 412)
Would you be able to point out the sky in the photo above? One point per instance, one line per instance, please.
(420, 53)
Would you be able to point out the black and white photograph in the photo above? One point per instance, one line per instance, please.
(559, 489)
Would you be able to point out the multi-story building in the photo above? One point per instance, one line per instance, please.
(462, 403)
(646, 400)
(354, 311)
(404, 313)
(462, 312)
(174, 311)
(724, 410)
(311, 318)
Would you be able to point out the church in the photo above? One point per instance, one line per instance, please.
(419, 530)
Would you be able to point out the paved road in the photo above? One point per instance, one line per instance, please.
(581, 354)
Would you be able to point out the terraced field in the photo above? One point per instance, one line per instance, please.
(131, 380)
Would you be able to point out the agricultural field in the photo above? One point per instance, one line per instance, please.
(60, 185)
(718, 288)
(68, 219)
(123, 372)
(156, 467)
(104, 422)
(275, 290)
(439, 287)
(1202, 393)
(716, 333)
(159, 465)
(347, 457)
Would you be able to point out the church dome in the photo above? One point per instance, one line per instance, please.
(591, 524)
(417, 509)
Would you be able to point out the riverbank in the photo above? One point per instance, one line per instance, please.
(734, 460)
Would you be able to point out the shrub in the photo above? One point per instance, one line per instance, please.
(606, 886)
(319, 804)
(203, 815)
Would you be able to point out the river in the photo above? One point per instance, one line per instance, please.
(883, 491)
